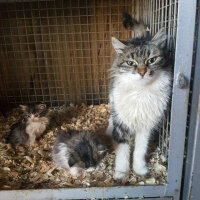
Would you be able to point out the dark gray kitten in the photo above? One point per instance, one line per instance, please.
(140, 84)
(139, 28)
(76, 150)
(32, 125)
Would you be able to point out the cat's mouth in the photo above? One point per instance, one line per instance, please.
(34, 120)
(145, 77)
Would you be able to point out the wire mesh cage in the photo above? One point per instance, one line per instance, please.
(59, 51)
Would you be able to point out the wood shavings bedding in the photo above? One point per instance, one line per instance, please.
(32, 167)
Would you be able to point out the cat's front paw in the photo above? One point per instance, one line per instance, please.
(120, 176)
(140, 169)
(90, 169)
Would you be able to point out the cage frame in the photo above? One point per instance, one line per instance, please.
(192, 168)
(183, 65)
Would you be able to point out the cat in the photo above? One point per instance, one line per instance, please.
(32, 125)
(79, 150)
(139, 92)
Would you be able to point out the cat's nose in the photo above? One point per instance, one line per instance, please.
(142, 73)
(142, 70)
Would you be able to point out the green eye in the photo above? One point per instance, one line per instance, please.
(130, 63)
(151, 60)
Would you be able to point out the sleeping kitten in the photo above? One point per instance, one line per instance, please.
(140, 85)
(76, 150)
(31, 126)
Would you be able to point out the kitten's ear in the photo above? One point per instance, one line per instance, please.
(100, 147)
(118, 46)
(41, 106)
(23, 108)
(160, 38)
(97, 141)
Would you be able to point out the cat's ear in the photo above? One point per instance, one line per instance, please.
(160, 38)
(23, 108)
(41, 106)
(118, 46)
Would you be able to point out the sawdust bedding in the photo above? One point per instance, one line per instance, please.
(32, 167)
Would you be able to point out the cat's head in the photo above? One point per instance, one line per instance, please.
(90, 151)
(88, 154)
(34, 113)
(141, 59)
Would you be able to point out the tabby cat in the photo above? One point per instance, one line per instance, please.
(140, 85)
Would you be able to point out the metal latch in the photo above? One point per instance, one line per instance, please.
(182, 81)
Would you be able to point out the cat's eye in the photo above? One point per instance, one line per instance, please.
(151, 60)
(131, 63)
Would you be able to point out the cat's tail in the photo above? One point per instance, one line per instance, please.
(139, 28)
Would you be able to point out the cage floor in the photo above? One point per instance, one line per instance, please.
(32, 167)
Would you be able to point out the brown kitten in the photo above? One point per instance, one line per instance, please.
(57, 116)
(31, 126)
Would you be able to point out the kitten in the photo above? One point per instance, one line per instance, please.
(57, 116)
(139, 91)
(31, 126)
(139, 28)
(76, 150)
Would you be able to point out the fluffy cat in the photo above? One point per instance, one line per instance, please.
(77, 150)
(139, 91)
(31, 126)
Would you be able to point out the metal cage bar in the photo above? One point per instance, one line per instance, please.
(86, 193)
(180, 97)
(192, 168)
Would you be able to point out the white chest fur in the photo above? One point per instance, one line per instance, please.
(138, 104)
(37, 128)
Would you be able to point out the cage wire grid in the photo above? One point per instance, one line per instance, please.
(60, 51)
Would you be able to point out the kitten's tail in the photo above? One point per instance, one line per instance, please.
(139, 28)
